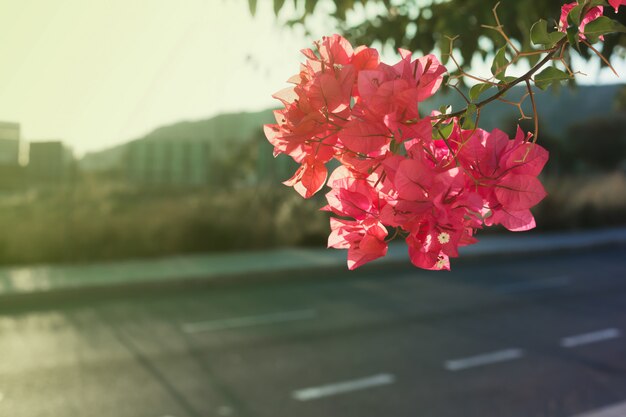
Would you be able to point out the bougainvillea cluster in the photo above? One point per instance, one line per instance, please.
(590, 14)
(400, 172)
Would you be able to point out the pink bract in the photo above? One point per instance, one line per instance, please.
(396, 172)
(616, 3)
(591, 15)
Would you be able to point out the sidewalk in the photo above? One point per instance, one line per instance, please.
(246, 266)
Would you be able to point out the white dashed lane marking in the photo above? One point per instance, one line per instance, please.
(615, 410)
(483, 359)
(314, 393)
(516, 353)
(587, 338)
(250, 321)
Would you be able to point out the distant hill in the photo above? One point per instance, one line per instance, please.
(220, 130)
(557, 112)
(236, 126)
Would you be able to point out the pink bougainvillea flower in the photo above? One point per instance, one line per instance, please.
(426, 73)
(353, 197)
(616, 3)
(505, 175)
(423, 258)
(414, 129)
(364, 240)
(365, 58)
(309, 178)
(335, 50)
(371, 139)
(348, 106)
(591, 15)
(413, 180)
(301, 129)
(397, 90)
(382, 93)
(519, 192)
(331, 91)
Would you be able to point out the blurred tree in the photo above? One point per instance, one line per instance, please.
(423, 25)
(599, 143)
(620, 100)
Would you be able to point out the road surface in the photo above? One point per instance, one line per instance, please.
(518, 337)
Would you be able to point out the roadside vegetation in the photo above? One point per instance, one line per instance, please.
(99, 220)
(104, 216)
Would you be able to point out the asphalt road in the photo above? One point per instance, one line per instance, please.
(522, 337)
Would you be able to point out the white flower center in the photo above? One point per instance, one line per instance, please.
(443, 238)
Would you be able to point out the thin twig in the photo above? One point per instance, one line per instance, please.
(535, 114)
(527, 76)
(606, 61)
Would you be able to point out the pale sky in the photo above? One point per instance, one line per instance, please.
(98, 73)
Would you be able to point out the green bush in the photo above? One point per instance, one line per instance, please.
(99, 220)
(111, 222)
(600, 143)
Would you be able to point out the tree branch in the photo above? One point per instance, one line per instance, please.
(510, 85)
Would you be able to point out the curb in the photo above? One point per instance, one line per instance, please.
(271, 266)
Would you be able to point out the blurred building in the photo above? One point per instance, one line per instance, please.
(11, 172)
(168, 162)
(9, 143)
(50, 162)
(272, 169)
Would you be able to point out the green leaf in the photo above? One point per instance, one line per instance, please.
(477, 90)
(309, 6)
(444, 132)
(469, 116)
(252, 5)
(572, 37)
(602, 26)
(394, 146)
(573, 17)
(555, 37)
(444, 47)
(539, 35)
(548, 76)
(278, 4)
(340, 11)
(500, 62)
(594, 3)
